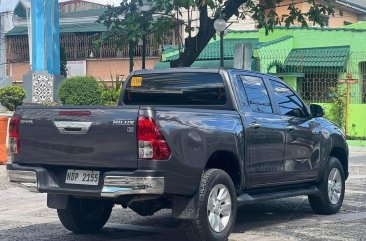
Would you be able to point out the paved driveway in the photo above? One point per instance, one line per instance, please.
(24, 216)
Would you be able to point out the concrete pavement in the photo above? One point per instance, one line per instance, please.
(25, 216)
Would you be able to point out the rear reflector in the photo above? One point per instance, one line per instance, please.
(152, 144)
(14, 141)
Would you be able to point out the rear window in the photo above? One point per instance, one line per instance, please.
(175, 89)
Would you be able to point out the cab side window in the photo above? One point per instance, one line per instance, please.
(289, 103)
(257, 94)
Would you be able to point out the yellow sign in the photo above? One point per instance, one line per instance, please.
(136, 81)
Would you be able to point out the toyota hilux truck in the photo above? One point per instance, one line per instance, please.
(200, 142)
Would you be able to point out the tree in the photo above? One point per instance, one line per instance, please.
(131, 22)
(120, 19)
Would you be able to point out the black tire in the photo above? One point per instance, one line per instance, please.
(321, 204)
(84, 216)
(200, 229)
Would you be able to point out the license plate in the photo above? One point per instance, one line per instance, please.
(82, 177)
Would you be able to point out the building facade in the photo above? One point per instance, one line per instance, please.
(346, 11)
(78, 35)
(312, 61)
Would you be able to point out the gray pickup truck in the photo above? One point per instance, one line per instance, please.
(200, 142)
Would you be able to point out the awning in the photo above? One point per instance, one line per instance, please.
(326, 57)
(206, 64)
(64, 28)
(212, 50)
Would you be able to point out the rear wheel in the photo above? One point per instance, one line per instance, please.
(216, 208)
(85, 216)
(332, 187)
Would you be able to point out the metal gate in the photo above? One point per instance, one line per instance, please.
(314, 87)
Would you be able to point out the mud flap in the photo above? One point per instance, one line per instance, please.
(185, 208)
(57, 201)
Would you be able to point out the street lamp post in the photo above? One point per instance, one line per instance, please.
(220, 27)
(144, 8)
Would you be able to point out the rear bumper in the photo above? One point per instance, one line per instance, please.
(112, 184)
(26, 179)
(115, 186)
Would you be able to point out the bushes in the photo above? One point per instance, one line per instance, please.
(11, 97)
(110, 96)
(111, 91)
(80, 90)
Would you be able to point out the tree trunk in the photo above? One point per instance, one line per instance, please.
(195, 45)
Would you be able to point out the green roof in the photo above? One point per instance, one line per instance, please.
(212, 50)
(199, 64)
(336, 56)
(359, 25)
(86, 13)
(344, 28)
(64, 28)
(263, 44)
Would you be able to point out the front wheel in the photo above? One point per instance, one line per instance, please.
(84, 216)
(216, 208)
(332, 188)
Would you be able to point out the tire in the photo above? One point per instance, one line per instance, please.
(83, 216)
(213, 181)
(330, 201)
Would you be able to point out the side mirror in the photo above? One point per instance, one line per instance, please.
(316, 110)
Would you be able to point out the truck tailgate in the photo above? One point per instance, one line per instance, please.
(81, 137)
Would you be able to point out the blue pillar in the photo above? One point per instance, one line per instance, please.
(45, 36)
(52, 37)
(41, 84)
(38, 36)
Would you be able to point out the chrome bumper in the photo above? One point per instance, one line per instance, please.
(26, 179)
(114, 186)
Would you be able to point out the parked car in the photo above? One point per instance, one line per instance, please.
(198, 141)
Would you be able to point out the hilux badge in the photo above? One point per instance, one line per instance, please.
(123, 122)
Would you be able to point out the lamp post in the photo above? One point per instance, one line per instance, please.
(144, 8)
(220, 27)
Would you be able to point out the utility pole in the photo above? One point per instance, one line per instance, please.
(348, 81)
(131, 48)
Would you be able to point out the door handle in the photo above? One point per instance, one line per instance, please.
(255, 125)
(290, 128)
(73, 127)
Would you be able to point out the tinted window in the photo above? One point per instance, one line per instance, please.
(287, 100)
(257, 94)
(176, 89)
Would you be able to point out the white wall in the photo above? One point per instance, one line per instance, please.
(76, 68)
(6, 24)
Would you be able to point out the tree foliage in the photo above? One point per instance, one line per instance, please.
(128, 22)
(11, 97)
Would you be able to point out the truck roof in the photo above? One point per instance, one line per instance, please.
(196, 70)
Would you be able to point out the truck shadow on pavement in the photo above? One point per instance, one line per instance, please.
(127, 226)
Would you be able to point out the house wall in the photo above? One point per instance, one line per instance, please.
(18, 70)
(335, 21)
(99, 68)
(356, 121)
(6, 24)
(78, 5)
(105, 68)
(312, 38)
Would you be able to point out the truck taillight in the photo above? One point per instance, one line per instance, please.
(14, 135)
(151, 142)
